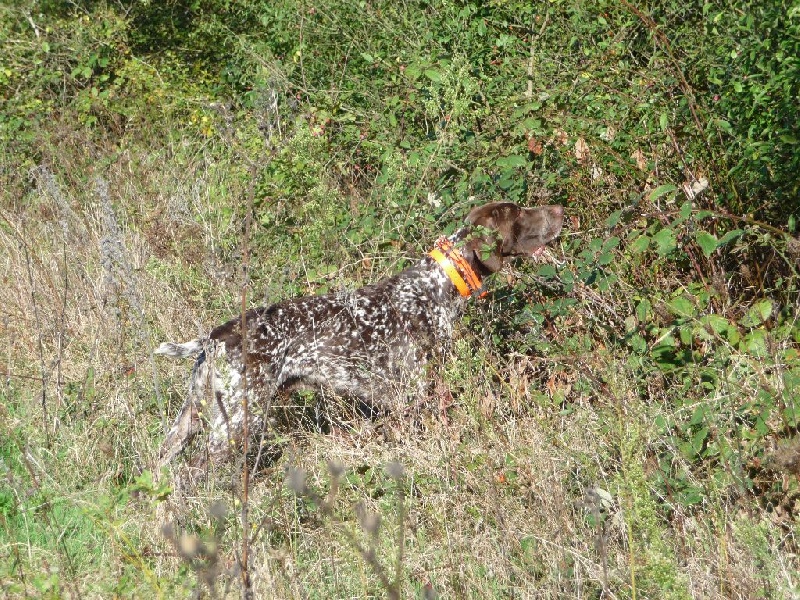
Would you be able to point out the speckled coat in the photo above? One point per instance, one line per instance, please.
(370, 344)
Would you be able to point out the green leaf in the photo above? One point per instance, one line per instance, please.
(528, 544)
(663, 121)
(534, 125)
(640, 244)
(663, 352)
(605, 259)
(698, 416)
(433, 75)
(755, 343)
(719, 325)
(508, 162)
(665, 241)
(699, 438)
(661, 190)
(613, 219)
(687, 450)
(730, 236)
(722, 327)
(758, 313)
(691, 495)
(707, 242)
(412, 72)
(725, 126)
(546, 271)
(643, 309)
(791, 415)
(681, 307)
(638, 343)
(507, 180)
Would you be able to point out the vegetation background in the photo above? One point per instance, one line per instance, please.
(618, 422)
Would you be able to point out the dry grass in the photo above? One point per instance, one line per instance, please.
(510, 496)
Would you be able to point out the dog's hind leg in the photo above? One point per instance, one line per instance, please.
(183, 430)
(193, 413)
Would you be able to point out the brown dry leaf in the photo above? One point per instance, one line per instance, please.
(551, 385)
(793, 247)
(641, 161)
(534, 146)
(560, 137)
(581, 150)
(487, 406)
(692, 189)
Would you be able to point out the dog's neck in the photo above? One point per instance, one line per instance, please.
(458, 269)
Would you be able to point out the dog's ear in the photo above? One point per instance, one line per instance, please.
(495, 215)
(499, 218)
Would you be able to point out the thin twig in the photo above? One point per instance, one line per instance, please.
(247, 588)
(61, 328)
(42, 364)
(534, 39)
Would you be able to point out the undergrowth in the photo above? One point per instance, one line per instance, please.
(618, 420)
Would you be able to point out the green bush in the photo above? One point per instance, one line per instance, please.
(751, 71)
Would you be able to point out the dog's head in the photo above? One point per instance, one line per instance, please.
(503, 229)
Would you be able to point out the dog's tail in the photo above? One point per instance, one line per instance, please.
(186, 350)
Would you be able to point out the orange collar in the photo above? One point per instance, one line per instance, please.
(454, 264)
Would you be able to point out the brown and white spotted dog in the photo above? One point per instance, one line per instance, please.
(365, 344)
